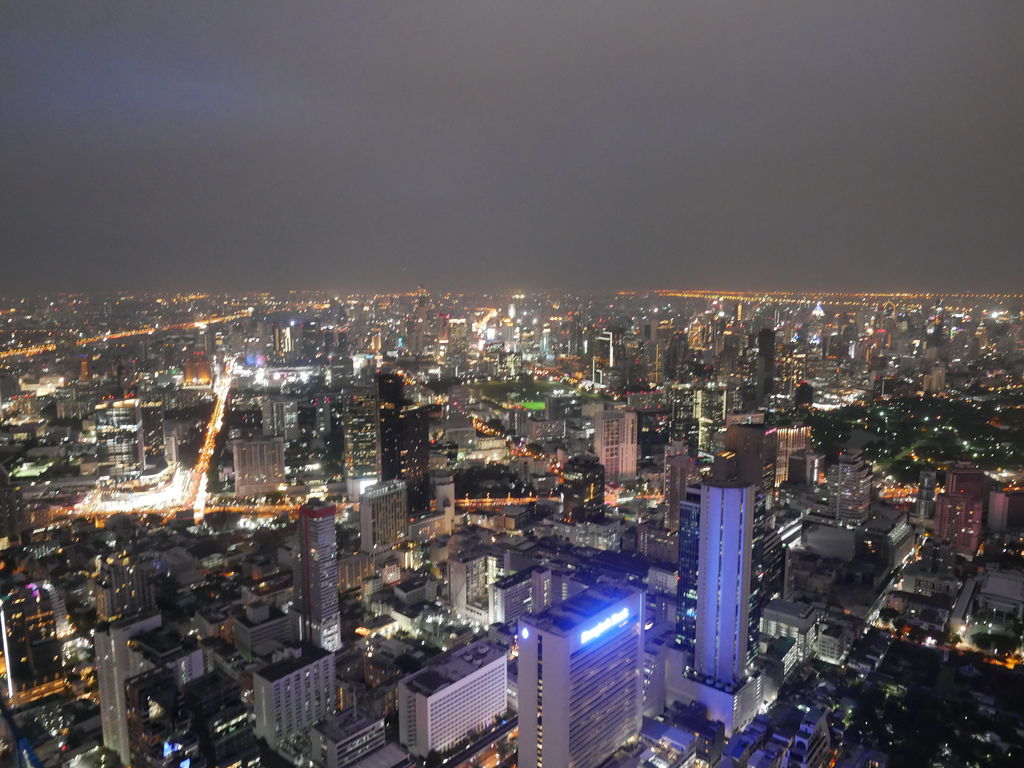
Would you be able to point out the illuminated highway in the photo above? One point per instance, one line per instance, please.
(200, 478)
(40, 349)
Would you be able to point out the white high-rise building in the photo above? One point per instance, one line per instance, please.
(581, 678)
(119, 436)
(615, 443)
(292, 695)
(461, 693)
(849, 488)
(315, 577)
(723, 582)
(383, 515)
(114, 665)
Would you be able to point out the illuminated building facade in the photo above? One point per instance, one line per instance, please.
(315, 577)
(581, 678)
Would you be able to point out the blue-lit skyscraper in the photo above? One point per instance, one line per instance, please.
(689, 555)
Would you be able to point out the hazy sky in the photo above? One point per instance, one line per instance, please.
(511, 144)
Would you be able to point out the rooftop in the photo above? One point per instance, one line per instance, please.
(454, 667)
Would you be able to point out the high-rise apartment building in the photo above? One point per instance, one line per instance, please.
(849, 488)
(383, 515)
(615, 443)
(680, 471)
(581, 678)
(292, 695)
(789, 441)
(315, 577)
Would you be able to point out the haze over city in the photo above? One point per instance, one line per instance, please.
(578, 145)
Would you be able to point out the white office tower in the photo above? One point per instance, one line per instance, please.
(581, 678)
(114, 665)
(383, 515)
(615, 443)
(460, 694)
(292, 695)
(315, 577)
(281, 418)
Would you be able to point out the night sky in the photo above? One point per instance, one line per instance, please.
(503, 144)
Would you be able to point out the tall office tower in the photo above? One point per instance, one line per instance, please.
(849, 488)
(689, 565)
(280, 418)
(582, 488)
(711, 404)
(682, 402)
(452, 698)
(12, 516)
(119, 436)
(159, 727)
(359, 425)
(292, 695)
(323, 412)
(403, 440)
(723, 582)
(581, 678)
(220, 720)
(615, 443)
(123, 588)
(31, 644)
(414, 456)
(115, 664)
(964, 479)
(315, 577)
(680, 471)
(789, 441)
(389, 402)
(924, 506)
(764, 365)
(383, 515)
(259, 465)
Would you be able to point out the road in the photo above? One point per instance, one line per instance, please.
(200, 478)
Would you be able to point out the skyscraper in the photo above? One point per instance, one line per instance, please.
(119, 436)
(615, 443)
(359, 426)
(403, 440)
(581, 678)
(383, 514)
(849, 488)
(723, 582)
(122, 588)
(315, 577)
